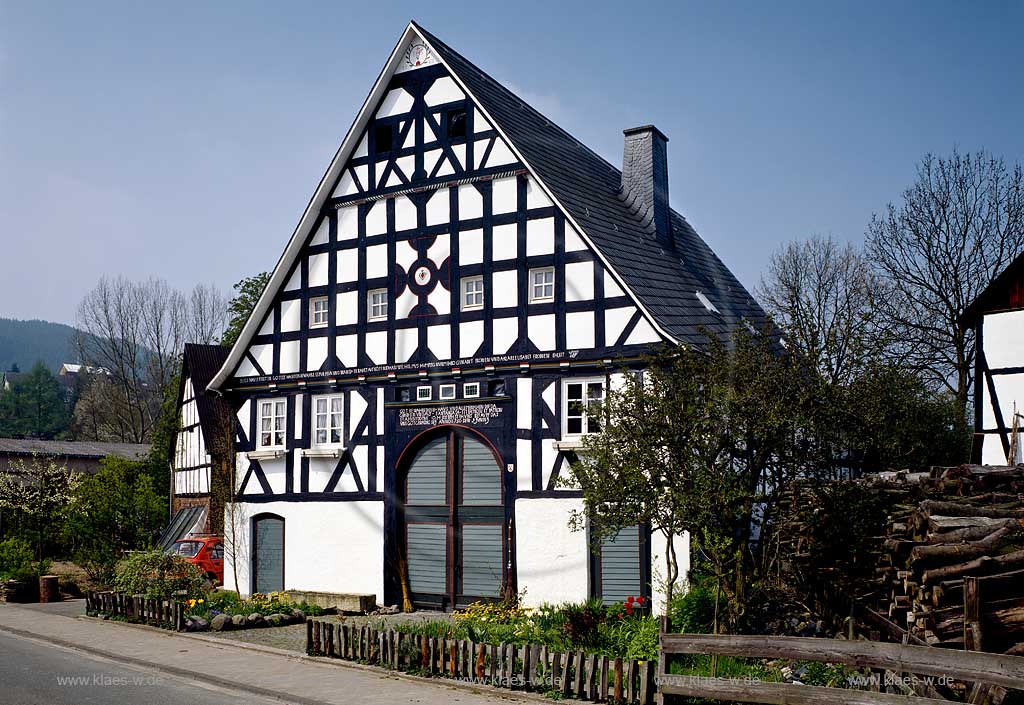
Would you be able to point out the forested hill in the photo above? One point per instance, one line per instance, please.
(25, 342)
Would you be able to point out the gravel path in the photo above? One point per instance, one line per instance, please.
(293, 637)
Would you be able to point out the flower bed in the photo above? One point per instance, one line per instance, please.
(223, 611)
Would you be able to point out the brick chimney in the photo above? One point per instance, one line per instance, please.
(645, 180)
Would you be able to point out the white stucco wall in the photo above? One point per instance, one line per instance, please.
(659, 571)
(329, 546)
(1003, 341)
(551, 560)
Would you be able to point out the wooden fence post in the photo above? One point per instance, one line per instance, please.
(309, 636)
(617, 683)
(972, 614)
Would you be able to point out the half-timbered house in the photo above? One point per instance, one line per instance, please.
(466, 281)
(997, 317)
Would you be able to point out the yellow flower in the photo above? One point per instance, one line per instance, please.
(201, 601)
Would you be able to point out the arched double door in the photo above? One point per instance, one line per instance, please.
(454, 519)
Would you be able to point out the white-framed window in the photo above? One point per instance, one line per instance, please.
(578, 396)
(472, 293)
(446, 391)
(318, 312)
(542, 284)
(271, 423)
(377, 303)
(328, 414)
(423, 393)
(471, 390)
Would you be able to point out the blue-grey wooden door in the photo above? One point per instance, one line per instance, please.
(454, 519)
(268, 554)
(620, 566)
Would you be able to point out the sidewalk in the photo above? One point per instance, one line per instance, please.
(259, 670)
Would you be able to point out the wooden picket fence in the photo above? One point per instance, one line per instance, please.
(531, 668)
(168, 614)
(988, 676)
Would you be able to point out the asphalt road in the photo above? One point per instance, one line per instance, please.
(36, 673)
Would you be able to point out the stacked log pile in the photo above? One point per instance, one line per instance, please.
(954, 563)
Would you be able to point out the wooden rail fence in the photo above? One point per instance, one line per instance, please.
(532, 667)
(168, 614)
(988, 675)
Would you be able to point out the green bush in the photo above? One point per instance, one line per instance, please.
(693, 612)
(17, 560)
(158, 575)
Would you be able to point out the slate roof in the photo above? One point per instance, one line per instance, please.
(995, 293)
(588, 187)
(201, 363)
(72, 449)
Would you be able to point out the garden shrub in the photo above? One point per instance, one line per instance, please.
(693, 612)
(158, 575)
(582, 621)
(17, 560)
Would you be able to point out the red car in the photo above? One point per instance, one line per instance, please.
(207, 552)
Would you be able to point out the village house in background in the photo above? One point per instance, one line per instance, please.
(201, 450)
(80, 456)
(465, 284)
(997, 316)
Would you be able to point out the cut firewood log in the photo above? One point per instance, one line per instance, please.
(985, 565)
(954, 509)
(947, 553)
(972, 532)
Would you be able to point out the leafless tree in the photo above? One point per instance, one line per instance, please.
(820, 293)
(956, 228)
(136, 331)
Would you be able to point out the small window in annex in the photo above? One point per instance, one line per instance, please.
(318, 312)
(377, 300)
(472, 293)
(542, 284)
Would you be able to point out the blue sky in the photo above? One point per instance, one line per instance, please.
(183, 140)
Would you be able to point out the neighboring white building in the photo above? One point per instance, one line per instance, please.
(997, 316)
(412, 384)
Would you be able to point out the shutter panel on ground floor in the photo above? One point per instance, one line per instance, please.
(620, 566)
(428, 558)
(481, 560)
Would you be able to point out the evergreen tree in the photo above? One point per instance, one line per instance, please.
(34, 406)
(247, 293)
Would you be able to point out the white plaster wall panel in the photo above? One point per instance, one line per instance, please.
(406, 342)
(579, 281)
(438, 208)
(264, 355)
(480, 123)
(1009, 390)
(659, 570)
(318, 270)
(291, 315)
(405, 213)
(439, 340)
(471, 203)
(500, 154)
(446, 168)
(552, 561)
(611, 287)
(347, 304)
(504, 242)
(506, 290)
(431, 158)
(348, 223)
(377, 219)
(380, 466)
(440, 299)
(316, 353)
(548, 397)
(615, 320)
(407, 165)
(579, 329)
(443, 90)
(268, 323)
(524, 403)
(524, 465)
(376, 261)
(440, 249)
(362, 174)
(548, 456)
(405, 303)
(377, 346)
(245, 369)
(535, 196)
(322, 234)
(471, 335)
(471, 247)
(642, 333)
(357, 408)
(992, 451)
(396, 102)
(459, 150)
(405, 254)
(542, 331)
(380, 410)
(348, 265)
(428, 133)
(320, 471)
(573, 241)
(540, 236)
(347, 351)
(289, 356)
(243, 415)
(346, 186)
(273, 470)
(410, 139)
(504, 195)
(362, 149)
(313, 530)
(394, 179)
(294, 281)
(504, 332)
(299, 424)
(1003, 338)
(480, 153)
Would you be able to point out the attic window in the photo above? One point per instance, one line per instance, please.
(707, 303)
(457, 122)
(383, 138)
